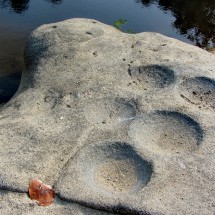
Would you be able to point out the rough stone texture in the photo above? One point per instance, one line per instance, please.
(20, 203)
(114, 121)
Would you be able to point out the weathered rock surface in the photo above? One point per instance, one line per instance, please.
(20, 203)
(117, 122)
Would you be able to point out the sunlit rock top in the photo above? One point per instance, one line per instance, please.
(117, 122)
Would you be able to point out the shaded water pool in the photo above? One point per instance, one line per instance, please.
(191, 21)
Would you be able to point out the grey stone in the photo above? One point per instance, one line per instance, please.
(21, 204)
(117, 122)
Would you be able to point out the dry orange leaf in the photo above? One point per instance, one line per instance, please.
(44, 194)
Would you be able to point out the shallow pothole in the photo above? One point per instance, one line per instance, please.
(110, 113)
(172, 132)
(198, 91)
(152, 76)
(116, 167)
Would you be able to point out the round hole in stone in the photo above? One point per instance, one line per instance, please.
(117, 175)
(198, 91)
(110, 113)
(165, 131)
(117, 168)
(154, 76)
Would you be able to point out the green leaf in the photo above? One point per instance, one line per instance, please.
(119, 22)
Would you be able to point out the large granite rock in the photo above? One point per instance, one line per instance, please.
(118, 122)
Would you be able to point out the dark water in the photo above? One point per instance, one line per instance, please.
(192, 21)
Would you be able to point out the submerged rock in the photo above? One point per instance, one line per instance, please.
(118, 122)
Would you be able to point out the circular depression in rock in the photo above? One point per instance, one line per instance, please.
(154, 76)
(117, 175)
(167, 132)
(110, 112)
(199, 91)
(116, 167)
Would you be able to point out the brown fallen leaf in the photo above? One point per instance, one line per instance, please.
(44, 194)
